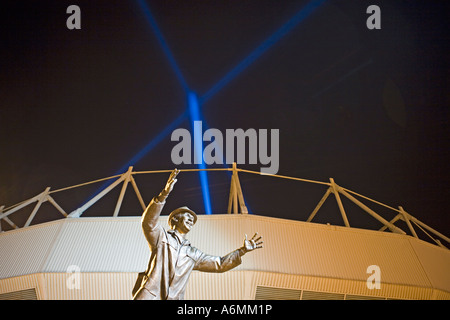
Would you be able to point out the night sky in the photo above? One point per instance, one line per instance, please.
(369, 108)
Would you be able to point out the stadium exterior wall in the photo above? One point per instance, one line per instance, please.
(309, 259)
(234, 285)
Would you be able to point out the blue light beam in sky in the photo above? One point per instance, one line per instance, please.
(194, 107)
(155, 141)
(146, 10)
(263, 47)
(146, 149)
(195, 115)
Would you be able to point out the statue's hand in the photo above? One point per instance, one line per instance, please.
(252, 244)
(169, 185)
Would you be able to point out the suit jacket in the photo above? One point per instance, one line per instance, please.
(173, 259)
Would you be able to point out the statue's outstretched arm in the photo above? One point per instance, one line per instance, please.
(209, 263)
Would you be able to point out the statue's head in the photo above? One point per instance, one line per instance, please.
(182, 219)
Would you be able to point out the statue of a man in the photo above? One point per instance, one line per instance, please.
(172, 256)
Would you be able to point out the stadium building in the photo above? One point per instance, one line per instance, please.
(99, 257)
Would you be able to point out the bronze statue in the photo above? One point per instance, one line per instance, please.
(172, 256)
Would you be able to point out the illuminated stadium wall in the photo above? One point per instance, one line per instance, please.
(99, 258)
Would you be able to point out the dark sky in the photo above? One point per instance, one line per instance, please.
(369, 108)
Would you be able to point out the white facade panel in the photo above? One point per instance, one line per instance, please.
(24, 251)
(100, 245)
(89, 286)
(435, 261)
(302, 248)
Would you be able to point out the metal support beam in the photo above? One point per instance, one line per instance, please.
(20, 206)
(232, 199)
(240, 195)
(394, 220)
(335, 189)
(236, 198)
(57, 206)
(319, 205)
(372, 213)
(138, 194)
(12, 224)
(42, 198)
(127, 178)
(406, 218)
(7, 220)
(236, 203)
(78, 212)
(420, 223)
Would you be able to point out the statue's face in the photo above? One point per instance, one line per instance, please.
(184, 222)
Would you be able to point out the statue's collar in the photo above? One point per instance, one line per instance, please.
(179, 238)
